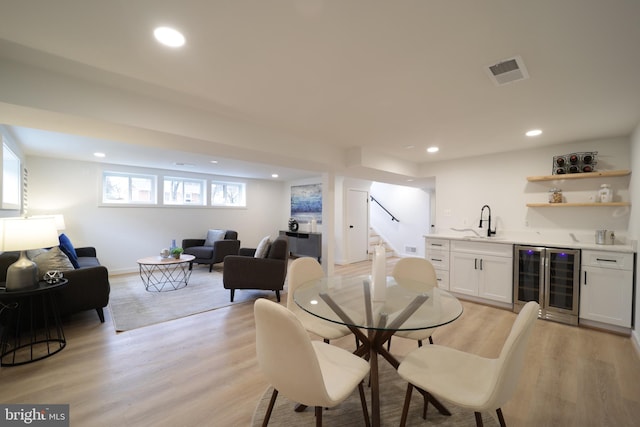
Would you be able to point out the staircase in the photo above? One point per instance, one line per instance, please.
(374, 240)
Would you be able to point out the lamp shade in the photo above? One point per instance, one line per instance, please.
(20, 234)
(59, 218)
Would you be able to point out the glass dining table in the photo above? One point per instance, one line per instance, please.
(374, 317)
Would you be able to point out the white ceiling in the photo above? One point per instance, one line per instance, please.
(370, 77)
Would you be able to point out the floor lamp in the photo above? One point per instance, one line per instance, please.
(23, 234)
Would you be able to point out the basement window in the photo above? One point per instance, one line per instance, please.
(231, 194)
(127, 188)
(10, 179)
(184, 191)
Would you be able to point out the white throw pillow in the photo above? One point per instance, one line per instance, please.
(213, 236)
(52, 259)
(263, 247)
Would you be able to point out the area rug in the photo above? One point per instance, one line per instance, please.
(133, 307)
(349, 412)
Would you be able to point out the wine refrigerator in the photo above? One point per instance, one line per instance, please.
(549, 276)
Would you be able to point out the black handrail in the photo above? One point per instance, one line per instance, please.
(393, 218)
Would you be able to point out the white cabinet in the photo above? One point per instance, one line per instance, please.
(606, 287)
(484, 270)
(437, 252)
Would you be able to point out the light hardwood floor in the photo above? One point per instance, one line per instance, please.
(201, 370)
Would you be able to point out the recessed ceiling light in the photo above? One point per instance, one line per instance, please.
(101, 155)
(534, 132)
(169, 37)
(274, 175)
(214, 161)
(432, 150)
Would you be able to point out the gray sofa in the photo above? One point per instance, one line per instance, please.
(88, 287)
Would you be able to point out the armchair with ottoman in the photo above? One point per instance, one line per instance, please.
(213, 249)
(88, 287)
(262, 268)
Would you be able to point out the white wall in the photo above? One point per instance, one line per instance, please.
(122, 235)
(499, 180)
(411, 207)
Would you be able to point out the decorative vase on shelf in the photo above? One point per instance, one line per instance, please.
(293, 225)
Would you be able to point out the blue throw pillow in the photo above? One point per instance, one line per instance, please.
(69, 250)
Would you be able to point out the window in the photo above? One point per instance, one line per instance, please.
(228, 194)
(10, 179)
(183, 191)
(128, 188)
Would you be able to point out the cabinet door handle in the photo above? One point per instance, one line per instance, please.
(475, 263)
(436, 244)
(436, 259)
(605, 260)
(480, 263)
(585, 278)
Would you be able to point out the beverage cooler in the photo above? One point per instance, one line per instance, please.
(549, 276)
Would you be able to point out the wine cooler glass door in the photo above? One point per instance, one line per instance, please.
(529, 271)
(562, 279)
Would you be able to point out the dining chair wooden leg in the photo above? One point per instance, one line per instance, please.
(319, 416)
(326, 341)
(430, 340)
(501, 417)
(272, 402)
(405, 408)
(478, 419)
(419, 343)
(363, 400)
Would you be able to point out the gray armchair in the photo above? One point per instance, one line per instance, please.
(244, 271)
(214, 254)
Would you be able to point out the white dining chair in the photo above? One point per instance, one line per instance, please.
(312, 373)
(422, 277)
(468, 380)
(303, 270)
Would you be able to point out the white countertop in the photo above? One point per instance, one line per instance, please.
(540, 240)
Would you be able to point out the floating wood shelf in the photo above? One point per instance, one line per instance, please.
(598, 174)
(569, 205)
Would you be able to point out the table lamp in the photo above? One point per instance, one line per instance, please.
(22, 234)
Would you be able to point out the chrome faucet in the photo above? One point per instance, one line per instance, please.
(489, 232)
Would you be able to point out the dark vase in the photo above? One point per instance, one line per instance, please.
(293, 224)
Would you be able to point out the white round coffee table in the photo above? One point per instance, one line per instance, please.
(165, 274)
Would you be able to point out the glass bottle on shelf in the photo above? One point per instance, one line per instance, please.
(604, 194)
(555, 195)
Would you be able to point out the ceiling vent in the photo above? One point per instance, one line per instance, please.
(508, 71)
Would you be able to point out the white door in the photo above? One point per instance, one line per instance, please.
(357, 225)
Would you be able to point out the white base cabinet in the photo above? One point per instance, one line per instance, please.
(606, 287)
(484, 270)
(437, 252)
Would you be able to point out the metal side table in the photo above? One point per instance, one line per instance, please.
(30, 323)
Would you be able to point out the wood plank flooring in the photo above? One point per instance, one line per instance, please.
(202, 371)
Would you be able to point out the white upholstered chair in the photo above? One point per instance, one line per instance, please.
(418, 271)
(467, 380)
(312, 373)
(303, 270)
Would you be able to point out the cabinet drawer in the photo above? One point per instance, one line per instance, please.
(443, 279)
(606, 259)
(437, 244)
(439, 259)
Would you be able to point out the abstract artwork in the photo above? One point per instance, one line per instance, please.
(306, 203)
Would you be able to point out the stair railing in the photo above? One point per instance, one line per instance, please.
(393, 218)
